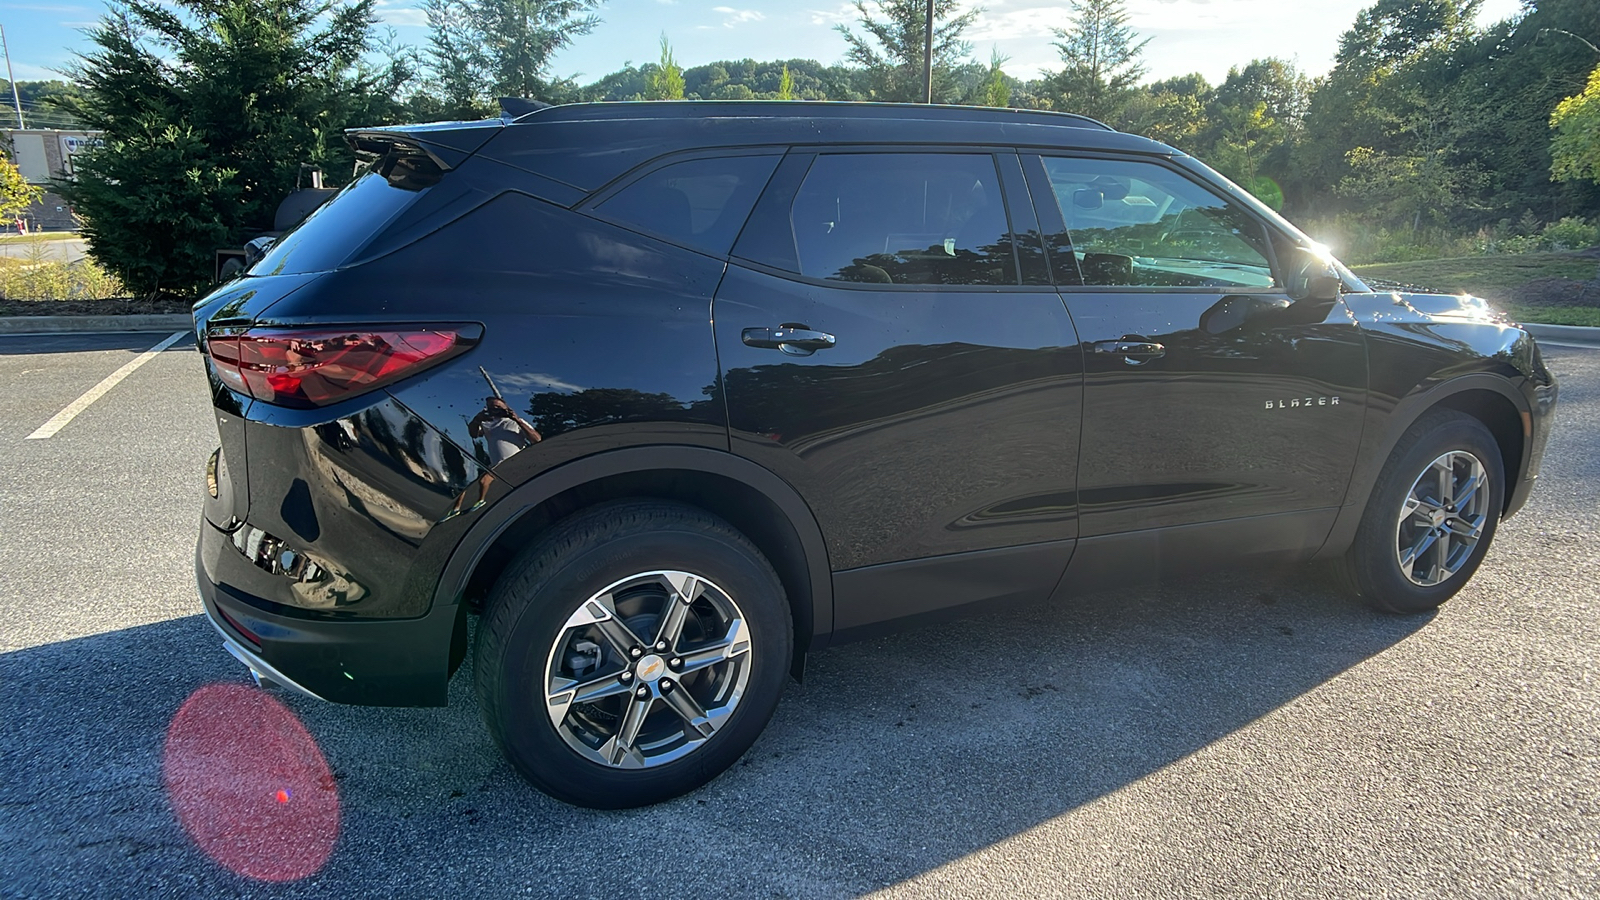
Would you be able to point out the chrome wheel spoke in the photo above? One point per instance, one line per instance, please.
(685, 588)
(620, 635)
(1423, 545)
(736, 642)
(1469, 491)
(689, 709)
(561, 698)
(1446, 469)
(1471, 529)
(620, 747)
(1418, 506)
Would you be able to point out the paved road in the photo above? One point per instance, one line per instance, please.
(65, 250)
(1240, 735)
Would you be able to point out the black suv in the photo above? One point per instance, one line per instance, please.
(674, 394)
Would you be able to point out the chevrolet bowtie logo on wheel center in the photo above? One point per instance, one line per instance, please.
(650, 668)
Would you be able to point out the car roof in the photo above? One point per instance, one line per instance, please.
(586, 145)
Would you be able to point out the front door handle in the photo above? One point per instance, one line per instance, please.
(1134, 353)
(795, 340)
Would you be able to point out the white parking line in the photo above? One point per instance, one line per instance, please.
(60, 419)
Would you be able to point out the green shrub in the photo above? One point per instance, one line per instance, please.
(36, 278)
(1571, 233)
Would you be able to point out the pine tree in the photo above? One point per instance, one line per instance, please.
(209, 107)
(891, 49)
(666, 82)
(786, 85)
(1101, 55)
(483, 49)
(996, 89)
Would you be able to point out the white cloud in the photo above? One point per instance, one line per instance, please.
(392, 13)
(844, 13)
(736, 17)
(537, 380)
(1019, 23)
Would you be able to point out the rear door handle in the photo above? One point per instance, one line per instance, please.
(795, 340)
(1134, 353)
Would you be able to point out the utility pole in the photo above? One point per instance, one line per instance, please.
(927, 58)
(11, 78)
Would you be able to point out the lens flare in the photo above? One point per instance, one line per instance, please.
(249, 784)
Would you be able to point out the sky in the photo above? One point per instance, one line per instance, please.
(1205, 36)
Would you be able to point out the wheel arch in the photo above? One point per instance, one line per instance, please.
(752, 499)
(1490, 399)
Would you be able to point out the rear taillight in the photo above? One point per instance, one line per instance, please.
(308, 367)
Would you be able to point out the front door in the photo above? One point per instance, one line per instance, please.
(1184, 424)
(880, 352)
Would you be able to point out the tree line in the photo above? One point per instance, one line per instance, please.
(1428, 132)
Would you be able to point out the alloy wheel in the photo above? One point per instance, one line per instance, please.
(1442, 518)
(648, 669)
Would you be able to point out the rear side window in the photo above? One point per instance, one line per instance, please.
(699, 203)
(350, 218)
(903, 218)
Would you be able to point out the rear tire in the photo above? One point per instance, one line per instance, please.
(632, 654)
(1431, 516)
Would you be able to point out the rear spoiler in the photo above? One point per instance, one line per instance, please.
(448, 144)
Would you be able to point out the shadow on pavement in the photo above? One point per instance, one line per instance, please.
(896, 756)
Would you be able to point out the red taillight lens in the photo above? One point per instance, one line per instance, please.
(315, 367)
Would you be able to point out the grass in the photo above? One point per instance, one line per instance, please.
(1554, 315)
(1489, 277)
(38, 238)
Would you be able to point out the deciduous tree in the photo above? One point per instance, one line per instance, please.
(1575, 149)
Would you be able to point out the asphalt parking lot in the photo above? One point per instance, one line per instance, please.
(1240, 735)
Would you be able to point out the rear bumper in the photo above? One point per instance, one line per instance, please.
(385, 662)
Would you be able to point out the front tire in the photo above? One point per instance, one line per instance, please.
(1431, 517)
(632, 654)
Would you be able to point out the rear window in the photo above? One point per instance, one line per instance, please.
(353, 216)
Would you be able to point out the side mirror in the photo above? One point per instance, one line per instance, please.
(1236, 309)
(1313, 277)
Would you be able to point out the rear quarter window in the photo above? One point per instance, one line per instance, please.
(698, 203)
(352, 217)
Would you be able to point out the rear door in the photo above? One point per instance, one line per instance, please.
(1257, 423)
(881, 351)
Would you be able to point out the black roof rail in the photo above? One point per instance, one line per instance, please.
(656, 109)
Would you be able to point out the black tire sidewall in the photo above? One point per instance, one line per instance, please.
(533, 607)
(1376, 570)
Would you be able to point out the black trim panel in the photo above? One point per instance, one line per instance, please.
(1136, 558)
(879, 599)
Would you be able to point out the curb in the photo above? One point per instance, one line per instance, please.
(1568, 334)
(169, 322)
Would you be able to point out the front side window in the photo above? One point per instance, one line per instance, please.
(903, 218)
(700, 203)
(1135, 223)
